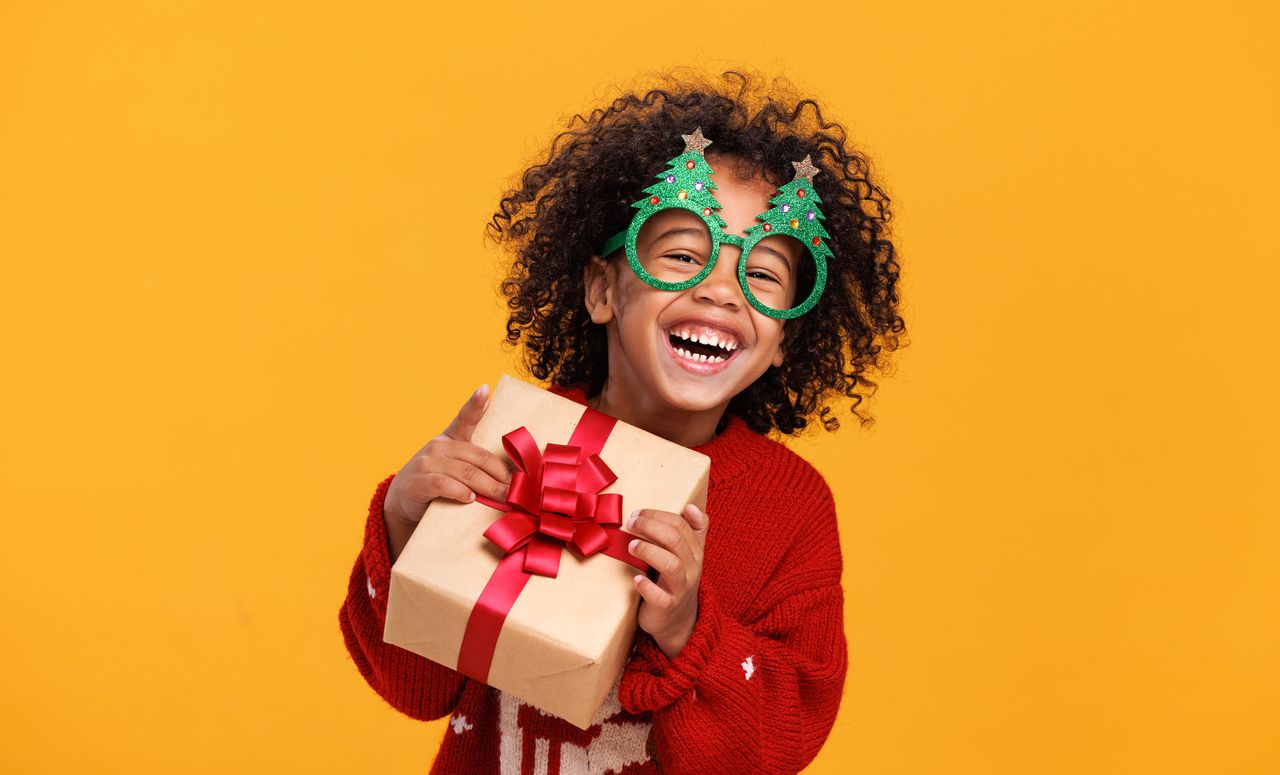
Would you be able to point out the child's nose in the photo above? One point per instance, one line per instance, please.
(721, 285)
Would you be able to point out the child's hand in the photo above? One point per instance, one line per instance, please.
(672, 544)
(448, 466)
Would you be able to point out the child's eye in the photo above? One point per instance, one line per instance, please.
(684, 258)
(763, 276)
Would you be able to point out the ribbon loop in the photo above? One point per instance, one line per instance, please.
(557, 500)
(511, 531)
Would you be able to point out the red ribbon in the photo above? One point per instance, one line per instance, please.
(554, 500)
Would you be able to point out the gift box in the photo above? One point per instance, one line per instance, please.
(535, 596)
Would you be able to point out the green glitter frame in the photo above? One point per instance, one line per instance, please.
(675, 192)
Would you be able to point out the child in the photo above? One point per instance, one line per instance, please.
(747, 286)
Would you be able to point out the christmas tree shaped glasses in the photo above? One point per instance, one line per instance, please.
(684, 254)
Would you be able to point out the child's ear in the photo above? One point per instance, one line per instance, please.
(598, 290)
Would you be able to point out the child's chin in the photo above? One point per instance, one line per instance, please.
(693, 397)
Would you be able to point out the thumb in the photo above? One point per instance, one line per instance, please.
(465, 423)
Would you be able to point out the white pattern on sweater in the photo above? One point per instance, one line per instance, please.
(618, 744)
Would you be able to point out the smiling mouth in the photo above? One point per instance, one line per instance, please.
(702, 352)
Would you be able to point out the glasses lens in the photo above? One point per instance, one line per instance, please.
(674, 245)
(780, 271)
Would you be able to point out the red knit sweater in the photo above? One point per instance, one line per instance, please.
(755, 689)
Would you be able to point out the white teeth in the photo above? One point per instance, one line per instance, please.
(698, 357)
(713, 339)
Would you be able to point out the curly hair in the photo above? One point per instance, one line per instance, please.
(557, 213)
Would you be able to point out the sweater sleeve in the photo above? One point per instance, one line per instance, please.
(414, 685)
(749, 697)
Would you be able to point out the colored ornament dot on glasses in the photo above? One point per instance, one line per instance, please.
(671, 178)
(786, 208)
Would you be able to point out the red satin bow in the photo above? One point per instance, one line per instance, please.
(553, 501)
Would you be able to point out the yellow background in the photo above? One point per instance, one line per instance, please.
(244, 281)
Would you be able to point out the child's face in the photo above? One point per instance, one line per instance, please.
(647, 327)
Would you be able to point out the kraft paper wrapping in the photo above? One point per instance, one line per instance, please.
(566, 639)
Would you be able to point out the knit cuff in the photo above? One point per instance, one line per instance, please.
(652, 680)
(376, 553)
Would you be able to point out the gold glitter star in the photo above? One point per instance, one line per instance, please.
(805, 169)
(696, 142)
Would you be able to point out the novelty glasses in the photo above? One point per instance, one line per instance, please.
(682, 247)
